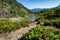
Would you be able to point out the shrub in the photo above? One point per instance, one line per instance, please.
(46, 33)
(7, 26)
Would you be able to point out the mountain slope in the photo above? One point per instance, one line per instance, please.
(12, 8)
(36, 10)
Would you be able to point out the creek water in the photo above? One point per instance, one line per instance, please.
(32, 17)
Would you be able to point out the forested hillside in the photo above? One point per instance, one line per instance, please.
(51, 17)
(12, 8)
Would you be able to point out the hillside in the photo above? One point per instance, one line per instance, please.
(36, 10)
(12, 8)
(50, 17)
(49, 13)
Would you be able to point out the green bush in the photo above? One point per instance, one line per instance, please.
(46, 33)
(53, 22)
(7, 25)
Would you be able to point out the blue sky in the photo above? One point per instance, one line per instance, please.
(30, 4)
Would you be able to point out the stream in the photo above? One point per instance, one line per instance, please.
(33, 17)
